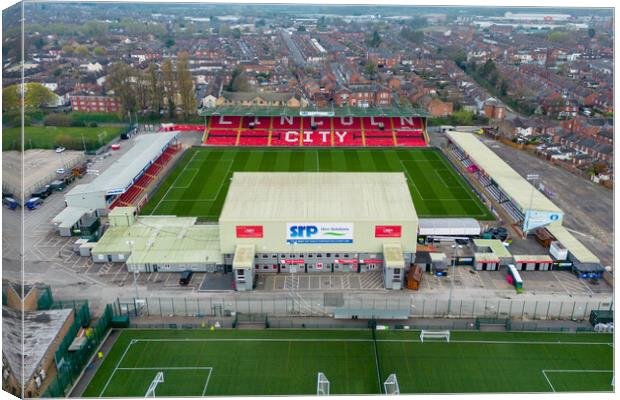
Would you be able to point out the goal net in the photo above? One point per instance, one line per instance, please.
(425, 334)
(391, 385)
(322, 385)
(159, 378)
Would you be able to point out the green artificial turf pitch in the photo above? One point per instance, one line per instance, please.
(286, 362)
(199, 183)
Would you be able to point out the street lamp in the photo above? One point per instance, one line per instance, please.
(135, 272)
(455, 247)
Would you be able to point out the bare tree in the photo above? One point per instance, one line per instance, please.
(169, 85)
(185, 84)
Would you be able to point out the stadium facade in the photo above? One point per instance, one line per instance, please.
(318, 222)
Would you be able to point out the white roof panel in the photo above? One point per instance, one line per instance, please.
(121, 173)
(513, 184)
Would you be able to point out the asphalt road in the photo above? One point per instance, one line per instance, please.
(588, 207)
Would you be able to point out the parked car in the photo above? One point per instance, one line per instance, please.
(60, 171)
(186, 277)
(60, 149)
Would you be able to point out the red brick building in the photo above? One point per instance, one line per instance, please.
(363, 96)
(95, 103)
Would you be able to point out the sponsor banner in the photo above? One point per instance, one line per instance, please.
(249, 231)
(316, 113)
(345, 261)
(388, 231)
(319, 232)
(318, 265)
(534, 219)
(292, 261)
(372, 261)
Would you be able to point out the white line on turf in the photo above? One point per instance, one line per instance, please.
(204, 390)
(581, 371)
(173, 183)
(361, 340)
(164, 368)
(117, 365)
(548, 381)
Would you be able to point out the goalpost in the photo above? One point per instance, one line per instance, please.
(322, 385)
(391, 385)
(434, 335)
(159, 378)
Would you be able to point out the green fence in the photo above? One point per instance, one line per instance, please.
(45, 300)
(70, 364)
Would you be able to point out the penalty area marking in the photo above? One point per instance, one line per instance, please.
(582, 371)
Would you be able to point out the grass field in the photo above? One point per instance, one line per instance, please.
(49, 137)
(199, 183)
(286, 362)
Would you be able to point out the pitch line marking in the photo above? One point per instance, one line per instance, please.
(117, 365)
(191, 180)
(544, 372)
(361, 340)
(171, 186)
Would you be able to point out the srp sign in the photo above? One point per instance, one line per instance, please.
(310, 233)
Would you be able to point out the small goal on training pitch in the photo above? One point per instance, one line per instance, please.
(391, 385)
(322, 385)
(159, 378)
(426, 334)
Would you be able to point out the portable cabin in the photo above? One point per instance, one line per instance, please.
(533, 262)
(486, 262)
(514, 278)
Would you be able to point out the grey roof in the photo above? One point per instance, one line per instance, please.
(318, 196)
(40, 330)
(514, 185)
(267, 96)
(120, 174)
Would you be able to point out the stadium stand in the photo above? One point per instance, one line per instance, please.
(315, 131)
(253, 137)
(133, 193)
(221, 137)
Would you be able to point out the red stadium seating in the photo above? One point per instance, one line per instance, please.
(254, 137)
(280, 123)
(407, 123)
(322, 123)
(132, 194)
(222, 137)
(321, 137)
(373, 123)
(337, 131)
(259, 122)
(347, 138)
(347, 123)
(284, 137)
(379, 138)
(224, 122)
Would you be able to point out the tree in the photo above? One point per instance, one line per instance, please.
(503, 88)
(185, 85)
(169, 85)
(301, 29)
(591, 32)
(236, 33)
(371, 68)
(375, 40)
(82, 50)
(99, 51)
(121, 79)
(155, 89)
(10, 98)
(169, 42)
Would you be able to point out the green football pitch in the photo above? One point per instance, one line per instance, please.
(286, 362)
(199, 183)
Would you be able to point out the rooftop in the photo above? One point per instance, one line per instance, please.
(163, 240)
(40, 330)
(514, 185)
(347, 111)
(121, 173)
(318, 196)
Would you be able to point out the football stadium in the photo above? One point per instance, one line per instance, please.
(314, 362)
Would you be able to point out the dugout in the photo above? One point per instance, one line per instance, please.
(486, 262)
(533, 262)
